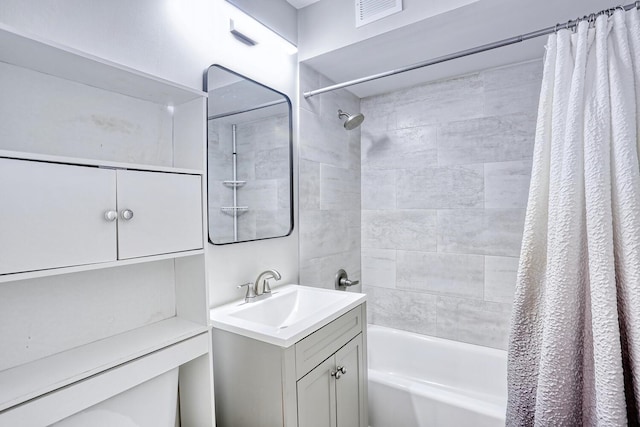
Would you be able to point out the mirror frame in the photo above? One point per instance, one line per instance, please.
(291, 163)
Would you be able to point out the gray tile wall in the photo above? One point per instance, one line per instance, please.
(329, 185)
(263, 162)
(445, 174)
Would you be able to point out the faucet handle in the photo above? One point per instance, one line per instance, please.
(266, 287)
(251, 292)
(342, 281)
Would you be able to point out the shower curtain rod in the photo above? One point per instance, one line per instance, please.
(257, 107)
(472, 51)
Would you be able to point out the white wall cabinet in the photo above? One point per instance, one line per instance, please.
(166, 209)
(53, 215)
(56, 215)
(90, 307)
(261, 384)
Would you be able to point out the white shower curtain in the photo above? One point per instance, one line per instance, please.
(574, 350)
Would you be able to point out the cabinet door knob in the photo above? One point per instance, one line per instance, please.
(126, 214)
(340, 371)
(111, 216)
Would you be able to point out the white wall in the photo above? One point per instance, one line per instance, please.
(317, 37)
(276, 14)
(176, 40)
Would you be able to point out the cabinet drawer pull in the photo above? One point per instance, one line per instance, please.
(111, 216)
(126, 214)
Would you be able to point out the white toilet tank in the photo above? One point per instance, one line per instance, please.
(150, 404)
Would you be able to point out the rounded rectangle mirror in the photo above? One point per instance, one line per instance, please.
(249, 157)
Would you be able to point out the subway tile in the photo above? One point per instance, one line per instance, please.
(378, 189)
(400, 309)
(513, 89)
(514, 75)
(246, 166)
(310, 271)
(246, 226)
(379, 267)
(309, 185)
(379, 116)
(473, 321)
(500, 278)
(321, 271)
(515, 99)
(339, 188)
(272, 163)
(219, 163)
(259, 194)
(481, 231)
(263, 133)
(309, 80)
(220, 226)
(444, 274)
(324, 233)
(487, 139)
(272, 223)
(443, 101)
(323, 142)
(506, 184)
(353, 149)
(437, 188)
(284, 194)
(331, 102)
(400, 149)
(399, 229)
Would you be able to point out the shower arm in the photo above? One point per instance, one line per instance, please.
(467, 52)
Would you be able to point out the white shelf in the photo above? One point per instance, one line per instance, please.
(33, 52)
(78, 268)
(21, 155)
(36, 378)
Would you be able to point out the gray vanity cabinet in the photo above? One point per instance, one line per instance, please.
(331, 394)
(319, 381)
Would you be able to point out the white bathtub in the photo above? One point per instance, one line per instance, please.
(420, 381)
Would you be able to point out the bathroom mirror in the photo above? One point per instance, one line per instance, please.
(249, 155)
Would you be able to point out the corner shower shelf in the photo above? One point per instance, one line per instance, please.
(233, 184)
(230, 210)
(47, 374)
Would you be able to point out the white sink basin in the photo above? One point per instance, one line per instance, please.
(291, 313)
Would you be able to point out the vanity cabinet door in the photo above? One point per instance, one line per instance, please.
(350, 400)
(332, 394)
(53, 215)
(158, 213)
(317, 397)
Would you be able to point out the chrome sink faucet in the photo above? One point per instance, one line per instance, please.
(260, 289)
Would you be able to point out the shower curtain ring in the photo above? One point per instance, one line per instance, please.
(574, 25)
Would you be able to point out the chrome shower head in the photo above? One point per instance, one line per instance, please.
(353, 121)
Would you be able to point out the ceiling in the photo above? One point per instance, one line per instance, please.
(299, 4)
(478, 23)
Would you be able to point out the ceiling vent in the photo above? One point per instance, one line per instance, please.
(368, 11)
